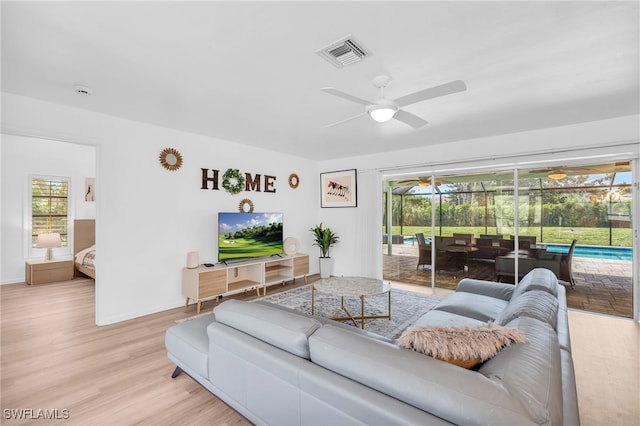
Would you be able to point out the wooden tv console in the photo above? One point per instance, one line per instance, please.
(204, 283)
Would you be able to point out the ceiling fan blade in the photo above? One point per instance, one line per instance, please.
(410, 119)
(433, 92)
(341, 94)
(337, 123)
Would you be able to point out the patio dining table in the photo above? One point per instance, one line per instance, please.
(460, 255)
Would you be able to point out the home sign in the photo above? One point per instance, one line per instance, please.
(234, 182)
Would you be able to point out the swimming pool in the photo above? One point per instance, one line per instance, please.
(595, 252)
(591, 252)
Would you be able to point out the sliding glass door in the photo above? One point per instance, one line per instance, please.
(499, 225)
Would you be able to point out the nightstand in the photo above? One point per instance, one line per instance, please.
(43, 271)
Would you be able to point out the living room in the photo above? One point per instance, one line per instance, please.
(148, 218)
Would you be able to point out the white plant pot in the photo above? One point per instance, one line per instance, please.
(326, 267)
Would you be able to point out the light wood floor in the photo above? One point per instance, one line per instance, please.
(54, 357)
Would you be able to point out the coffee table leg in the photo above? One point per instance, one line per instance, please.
(312, 298)
(355, 324)
(362, 312)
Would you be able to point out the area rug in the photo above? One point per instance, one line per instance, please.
(406, 307)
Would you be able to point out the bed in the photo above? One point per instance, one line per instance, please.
(84, 246)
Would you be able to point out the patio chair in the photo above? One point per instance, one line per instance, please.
(566, 271)
(496, 237)
(424, 250)
(507, 244)
(463, 239)
(531, 238)
(486, 250)
(505, 266)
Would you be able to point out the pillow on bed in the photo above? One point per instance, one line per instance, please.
(463, 346)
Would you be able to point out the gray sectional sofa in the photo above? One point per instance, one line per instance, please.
(276, 366)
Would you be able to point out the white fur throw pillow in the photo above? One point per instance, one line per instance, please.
(463, 346)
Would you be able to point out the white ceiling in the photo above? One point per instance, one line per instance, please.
(248, 72)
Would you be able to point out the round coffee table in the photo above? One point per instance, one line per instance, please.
(359, 287)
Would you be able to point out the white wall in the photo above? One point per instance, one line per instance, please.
(148, 218)
(618, 137)
(23, 157)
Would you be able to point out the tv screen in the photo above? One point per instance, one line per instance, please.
(247, 235)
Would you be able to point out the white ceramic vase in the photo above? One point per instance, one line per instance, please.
(326, 267)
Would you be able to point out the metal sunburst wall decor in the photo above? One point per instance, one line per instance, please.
(170, 159)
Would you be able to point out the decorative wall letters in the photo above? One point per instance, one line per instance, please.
(234, 182)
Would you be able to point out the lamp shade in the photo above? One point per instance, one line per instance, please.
(48, 240)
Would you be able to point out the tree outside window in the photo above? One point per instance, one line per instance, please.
(49, 207)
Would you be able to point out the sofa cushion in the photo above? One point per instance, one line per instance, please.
(285, 330)
(443, 318)
(463, 346)
(452, 393)
(486, 288)
(538, 279)
(531, 372)
(476, 306)
(536, 304)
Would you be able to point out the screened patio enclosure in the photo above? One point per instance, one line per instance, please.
(501, 224)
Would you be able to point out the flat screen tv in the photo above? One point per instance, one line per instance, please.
(248, 235)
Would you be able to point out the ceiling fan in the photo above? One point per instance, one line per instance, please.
(416, 181)
(560, 172)
(384, 110)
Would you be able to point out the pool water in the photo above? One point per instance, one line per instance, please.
(593, 252)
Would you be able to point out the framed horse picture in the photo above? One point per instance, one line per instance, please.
(338, 189)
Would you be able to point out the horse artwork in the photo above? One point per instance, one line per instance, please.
(335, 188)
(338, 189)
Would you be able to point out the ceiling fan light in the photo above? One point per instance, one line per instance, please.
(557, 175)
(382, 113)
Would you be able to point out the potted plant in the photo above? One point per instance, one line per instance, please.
(324, 238)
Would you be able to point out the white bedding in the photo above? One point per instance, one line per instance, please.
(87, 256)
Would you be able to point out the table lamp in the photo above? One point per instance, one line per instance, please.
(48, 241)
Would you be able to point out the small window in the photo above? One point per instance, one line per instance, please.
(49, 207)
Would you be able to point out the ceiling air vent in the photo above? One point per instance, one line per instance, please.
(343, 52)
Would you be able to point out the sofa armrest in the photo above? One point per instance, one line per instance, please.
(486, 288)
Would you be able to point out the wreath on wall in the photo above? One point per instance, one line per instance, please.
(246, 206)
(233, 175)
